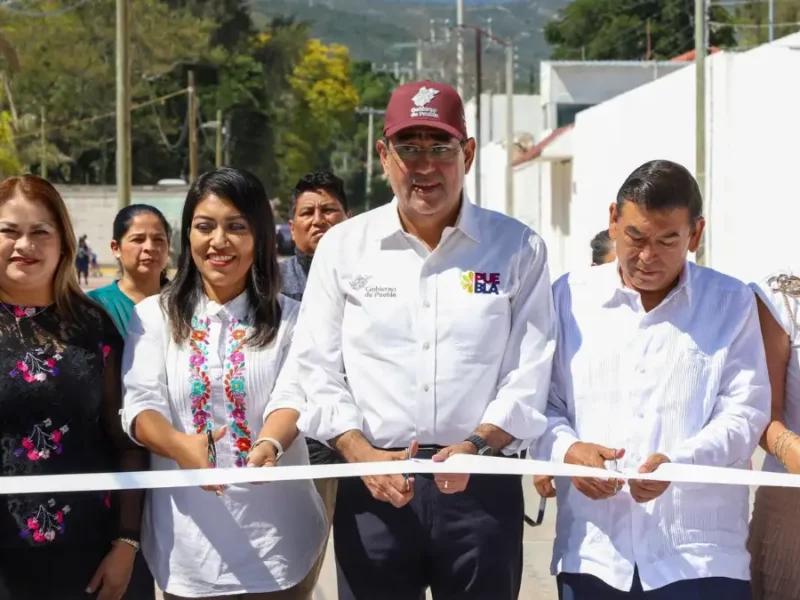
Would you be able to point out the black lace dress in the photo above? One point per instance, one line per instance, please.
(60, 393)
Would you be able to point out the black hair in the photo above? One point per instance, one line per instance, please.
(180, 298)
(319, 180)
(661, 185)
(601, 245)
(124, 220)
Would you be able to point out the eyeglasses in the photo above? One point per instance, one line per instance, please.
(438, 153)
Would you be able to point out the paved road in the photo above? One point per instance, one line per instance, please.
(537, 584)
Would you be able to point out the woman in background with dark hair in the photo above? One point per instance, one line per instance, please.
(204, 370)
(140, 244)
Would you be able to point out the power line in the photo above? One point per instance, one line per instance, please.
(104, 116)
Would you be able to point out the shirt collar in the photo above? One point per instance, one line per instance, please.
(238, 308)
(387, 220)
(614, 287)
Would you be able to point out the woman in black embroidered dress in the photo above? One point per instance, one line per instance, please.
(60, 394)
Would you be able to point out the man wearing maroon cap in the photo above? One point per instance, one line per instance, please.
(427, 329)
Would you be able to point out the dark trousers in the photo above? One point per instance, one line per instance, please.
(465, 546)
(572, 586)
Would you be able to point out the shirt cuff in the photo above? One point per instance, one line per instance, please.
(561, 445)
(326, 423)
(129, 413)
(681, 456)
(521, 422)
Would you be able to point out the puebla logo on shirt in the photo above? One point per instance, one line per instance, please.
(474, 282)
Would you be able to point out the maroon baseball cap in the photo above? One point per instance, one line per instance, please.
(425, 104)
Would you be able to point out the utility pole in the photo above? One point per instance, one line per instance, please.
(478, 88)
(370, 142)
(419, 60)
(370, 112)
(43, 134)
(700, 118)
(192, 129)
(218, 161)
(460, 49)
(771, 20)
(510, 130)
(123, 104)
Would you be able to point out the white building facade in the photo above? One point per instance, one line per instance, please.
(752, 133)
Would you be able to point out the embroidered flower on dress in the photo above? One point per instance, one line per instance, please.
(36, 366)
(40, 443)
(45, 523)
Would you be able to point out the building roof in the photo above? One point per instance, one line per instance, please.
(689, 56)
(535, 152)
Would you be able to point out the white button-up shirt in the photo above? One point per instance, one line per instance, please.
(255, 538)
(687, 379)
(406, 344)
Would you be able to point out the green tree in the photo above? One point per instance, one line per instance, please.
(374, 90)
(318, 112)
(67, 66)
(9, 162)
(618, 29)
(753, 21)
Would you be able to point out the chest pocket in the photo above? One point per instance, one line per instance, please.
(476, 315)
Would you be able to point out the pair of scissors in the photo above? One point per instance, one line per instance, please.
(539, 517)
(212, 450)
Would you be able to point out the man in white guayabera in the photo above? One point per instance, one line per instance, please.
(658, 360)
(427, 329)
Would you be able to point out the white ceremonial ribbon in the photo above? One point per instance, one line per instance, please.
(460, 463)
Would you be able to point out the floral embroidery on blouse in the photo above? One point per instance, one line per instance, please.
(234, 385)
(235, 393)
(45, 523)
(200, 391)
(36, 365)
(39, 444)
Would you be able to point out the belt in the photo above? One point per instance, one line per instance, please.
(428, 450)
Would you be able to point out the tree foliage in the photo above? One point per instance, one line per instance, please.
(753, 20)
(287, 101)
(619, 29)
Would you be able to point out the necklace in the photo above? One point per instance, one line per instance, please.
(23, 312)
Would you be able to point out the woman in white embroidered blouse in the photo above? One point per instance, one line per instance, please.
(209, 355)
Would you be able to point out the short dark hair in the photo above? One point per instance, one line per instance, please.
(601, 245)
(662, 185)
(319, 180)
(181, 296)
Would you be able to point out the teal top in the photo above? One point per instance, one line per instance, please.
(117, 305)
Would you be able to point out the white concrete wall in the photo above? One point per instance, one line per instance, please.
(527, 116)
(592, 82)
(752, 144)
(93, 208)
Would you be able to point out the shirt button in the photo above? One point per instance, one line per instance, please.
(426, 304)
(425, 346)
(426, 387)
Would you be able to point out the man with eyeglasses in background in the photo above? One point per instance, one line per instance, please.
(427, 330)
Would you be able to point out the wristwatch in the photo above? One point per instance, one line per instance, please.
(484, 449)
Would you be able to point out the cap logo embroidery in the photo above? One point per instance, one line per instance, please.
(424, 96)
